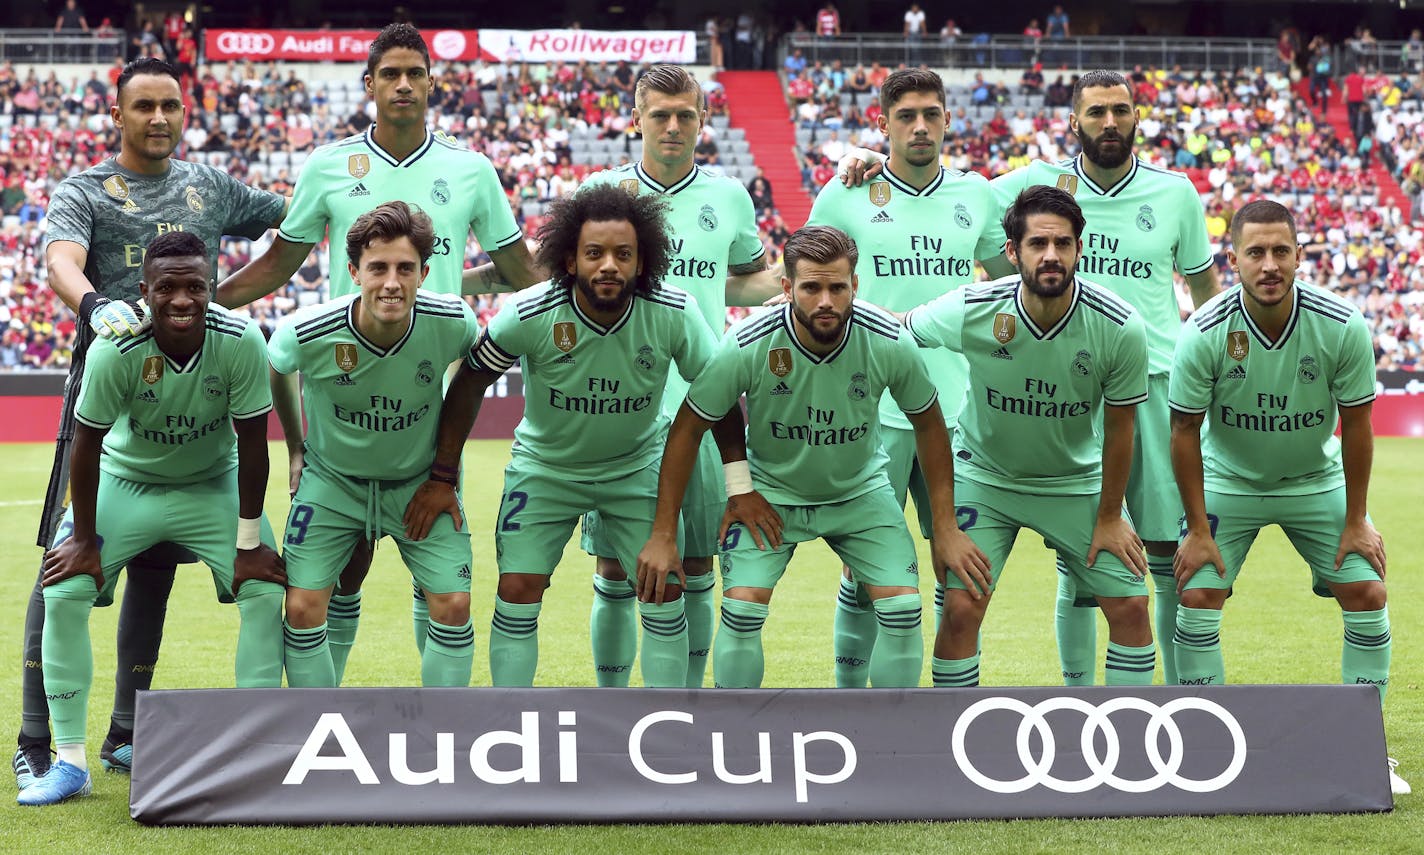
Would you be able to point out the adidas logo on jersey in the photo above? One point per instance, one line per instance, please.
(781, 389)
(147, 397)
(882, 217)
(566, 359)
(1002, 353)
(1237, 373)
(358, 190)
(345, 380)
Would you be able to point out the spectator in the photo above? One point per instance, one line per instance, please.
(759, 188)
(1031, 81)
(914, 32)
(1057, 24)
(828, 21)
(795, 63)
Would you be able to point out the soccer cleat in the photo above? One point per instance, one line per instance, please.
(1397, 785)
(31, 763)
(116, 756)
(61, 782)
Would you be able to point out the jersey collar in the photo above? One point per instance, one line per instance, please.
(1098, 188)
(1033, 328)
(595, 325)
(900, 184)
(420, 150)
(669, 190)
(1260, 334)
(379, 351)
(817, 359)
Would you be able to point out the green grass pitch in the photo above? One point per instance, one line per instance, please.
(1296, 637)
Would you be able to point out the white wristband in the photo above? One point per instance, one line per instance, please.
(249, 533)
(738, 476)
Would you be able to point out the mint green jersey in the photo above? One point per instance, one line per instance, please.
(813, 429)
(1271, 407)
(1030, 421)
(914, 246)
(170, 422)
(457, 187)
(372, 411)
(1138, 230)
(592, 393)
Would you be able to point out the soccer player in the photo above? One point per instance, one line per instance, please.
(100, 222)
(595, 347)
(398, 157)
(170, 445)
(1029, 453)
(919, 228)
(1142, 222)
(813, 372)
(371, 364)
(717, 257)
(1268, 365)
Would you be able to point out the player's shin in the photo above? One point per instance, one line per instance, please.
(260, 644)
(69, 666)
(854, 639)
(308, 657)
(34, 718)
(665, 644)
(1077, 631)
(613, 631)
(449, 655)
(1197, 647)
(737, 658)
(419, 617)
(140, 633)
(514, 643)
(899, 649)
(1366, 654)
(1164, 613)
(343, 616)
(699, 604)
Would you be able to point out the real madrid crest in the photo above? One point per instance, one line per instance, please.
(857, 389)
(880, 194)
(1237, 345)
(707, 219)
(1068, 184)
(629, 185)
(345, 355)
(425, 373)
(1083, 363)
(645, 358)
(1308, 370)
(779, 361)
(152, 370)
(961, 216)
(195, 202)
(1005, 327)
(565, 336)
(212, 387)
(358, 165)
(116, 186)
(440, 192)
(1144, 218)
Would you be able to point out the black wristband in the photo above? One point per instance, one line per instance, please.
(88, 303)
(445, 479)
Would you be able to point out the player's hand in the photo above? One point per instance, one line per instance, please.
(296, 461)
(858, 166)
(1362, 539)
(656, 562)
(755, 513)
(73, 557)
(119, 318)
(1195, 551)
(261, 564)
(777, 300)
(1117, 536)
(957, 552)
(431, 499)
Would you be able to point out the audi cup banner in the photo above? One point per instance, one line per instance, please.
(326, 45)
(575, 45)
(260, 756)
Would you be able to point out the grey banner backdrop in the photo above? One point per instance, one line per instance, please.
(799, 755)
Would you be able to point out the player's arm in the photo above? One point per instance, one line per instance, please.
(1198, 545)
(999, 266)
(510, 268)
(952, 548)
(754, 283)
(457, 415)
(108, 318)
(266, 274)
(658, 558)
(287, 401)
(1203, 285)
(1357, 451)
(78, 555)
(1111, 531)
(254, 559)
(859, 165)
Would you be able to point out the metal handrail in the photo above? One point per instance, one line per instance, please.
(35, 45)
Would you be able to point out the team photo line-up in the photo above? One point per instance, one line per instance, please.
(878, 369)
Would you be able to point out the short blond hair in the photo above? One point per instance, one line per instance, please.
(668, 79)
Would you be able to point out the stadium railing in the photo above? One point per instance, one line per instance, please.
(45, 45)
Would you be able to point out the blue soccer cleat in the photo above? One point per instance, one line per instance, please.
(31, 763)
(61, 782)
(117, 757)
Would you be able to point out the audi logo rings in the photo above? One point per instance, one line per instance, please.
(1102, 769)
(247, 43)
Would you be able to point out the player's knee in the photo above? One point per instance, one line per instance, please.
(357, 566)
(1204, 598)
(847, 573)
(306, 609)
(521, 587)
(748, 594)
(700, 566)
(1129, 613)
(962, 609)
(451, 609)
(608, 568)
(1360, 596)
(254, 589)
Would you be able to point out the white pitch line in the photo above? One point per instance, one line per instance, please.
(20, 502)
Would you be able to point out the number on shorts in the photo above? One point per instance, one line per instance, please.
(1211, 520)
(966, 517)
(729, 542)
(518, 499)
(297, 524)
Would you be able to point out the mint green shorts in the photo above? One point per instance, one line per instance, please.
(1151, 495)
(702, 508)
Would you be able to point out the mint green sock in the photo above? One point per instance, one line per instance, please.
(1366, 654)
(259, 636)
(419, 617)
(899, 650)
(664, 656)
(68, 664)
(308, 657)
(343, 615)
(1197, 648)
(1077, 630)
(1164, 613)
(938, 606)
(853, 640)
(1129, 666)
(955, 673)
(514, 643)
(699, 600)
(737, 658)
(613, 631)
(449, 655)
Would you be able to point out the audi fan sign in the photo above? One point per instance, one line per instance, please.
(327, 45)
(263, 756)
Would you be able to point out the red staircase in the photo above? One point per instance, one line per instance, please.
(758, 105)
(1338, 115)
